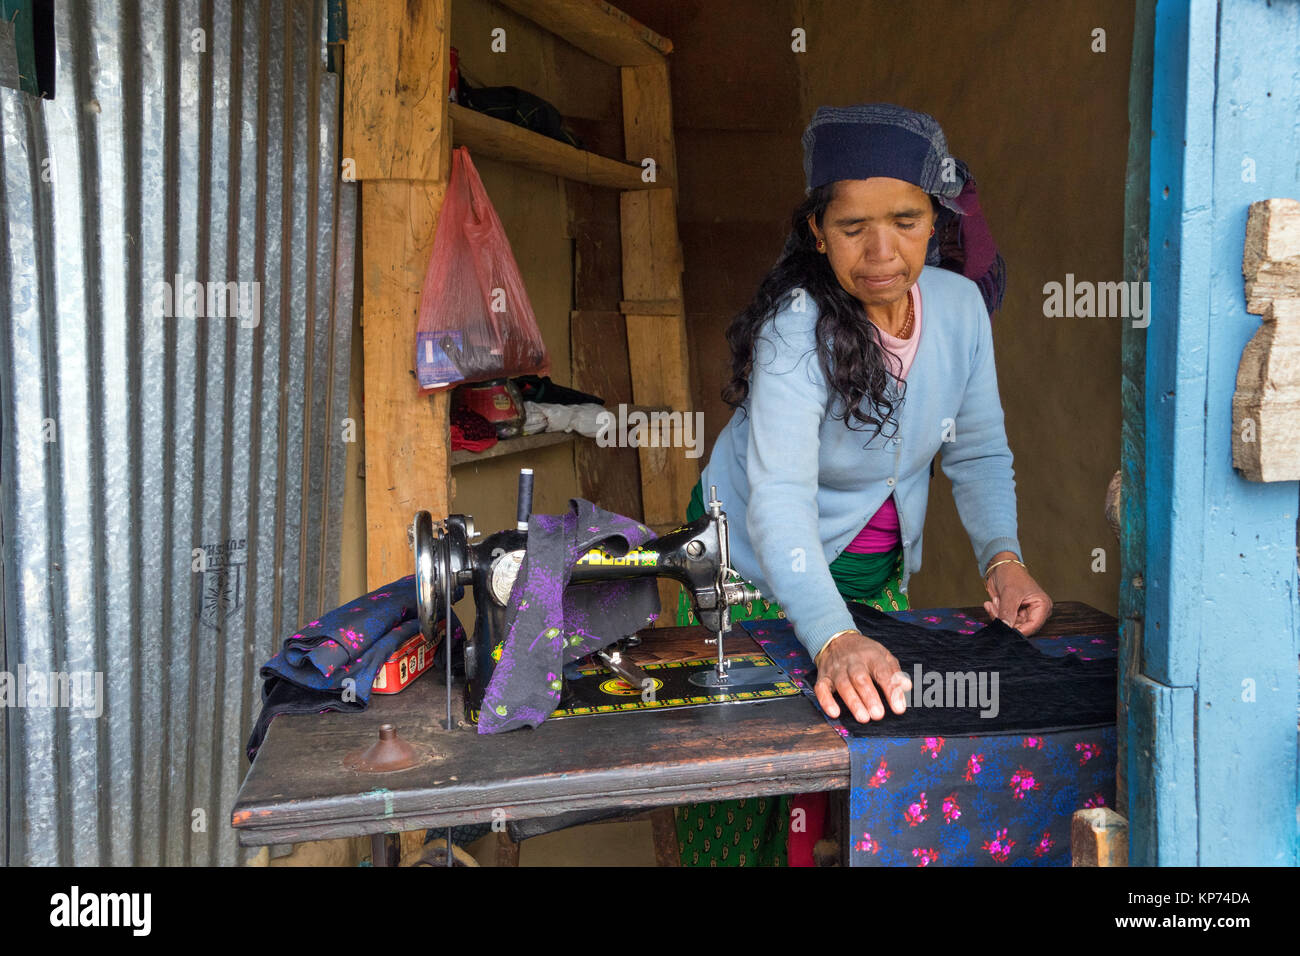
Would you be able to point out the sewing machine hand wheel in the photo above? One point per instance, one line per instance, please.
(441, 565)
(428, 572)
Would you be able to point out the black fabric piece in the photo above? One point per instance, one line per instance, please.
(1035, 693)
(541, 389)
(281, 697)
(517, 106)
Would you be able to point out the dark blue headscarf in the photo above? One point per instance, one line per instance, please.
(881, 139)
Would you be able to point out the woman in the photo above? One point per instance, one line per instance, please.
(856, 364)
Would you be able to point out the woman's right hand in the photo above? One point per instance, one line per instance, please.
(854, 665)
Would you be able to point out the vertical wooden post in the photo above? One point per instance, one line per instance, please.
(396, 139)
(652, 271)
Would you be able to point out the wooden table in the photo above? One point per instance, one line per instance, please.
(298, 788)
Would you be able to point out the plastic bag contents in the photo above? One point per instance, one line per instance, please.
(476, 322)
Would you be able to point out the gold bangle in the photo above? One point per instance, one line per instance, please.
(851, 630)
(995, 564)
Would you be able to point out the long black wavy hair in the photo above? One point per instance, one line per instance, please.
(854, 364)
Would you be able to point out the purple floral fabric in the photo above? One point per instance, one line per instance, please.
(550, 624)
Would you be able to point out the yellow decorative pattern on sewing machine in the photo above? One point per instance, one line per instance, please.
(636, 558)
(597, 691)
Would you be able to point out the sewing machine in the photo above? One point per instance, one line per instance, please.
(696, 555)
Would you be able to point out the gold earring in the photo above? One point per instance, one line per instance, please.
(821, 245)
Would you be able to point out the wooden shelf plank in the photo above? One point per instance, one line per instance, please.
(514, 144)
(595, 27)
(512, 446)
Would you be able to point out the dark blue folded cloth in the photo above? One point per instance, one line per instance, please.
(331, 663)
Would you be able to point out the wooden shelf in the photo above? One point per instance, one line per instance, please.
(514, 446)
(597, 28)
(398, 128)
(498, 139)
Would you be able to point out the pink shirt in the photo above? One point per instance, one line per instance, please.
(881, 532)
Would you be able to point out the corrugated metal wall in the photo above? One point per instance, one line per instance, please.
(172, 484)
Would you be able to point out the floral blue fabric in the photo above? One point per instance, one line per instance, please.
(967, 800)
(330, 663)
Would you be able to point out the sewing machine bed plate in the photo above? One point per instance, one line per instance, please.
(597, 691)
(298, 789)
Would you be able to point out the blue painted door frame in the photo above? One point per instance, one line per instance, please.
(1211, 683)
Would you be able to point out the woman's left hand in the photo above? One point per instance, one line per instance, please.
(1016, 599)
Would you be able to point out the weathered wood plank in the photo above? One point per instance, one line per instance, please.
(1266, 402)
(395, 89)
(489, 136)
(648, 118)
(609, 477)
(1271, 258)
(657, 346)
(651, 307)
(1098, 837)
(512, 446)
(407, 435)
(1162, 817)
(507, 850)
(598, 28)
(665, 837)
(652, 271)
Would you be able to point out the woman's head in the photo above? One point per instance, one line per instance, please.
(889, 170)
(878, 176)
(875, 234)
(852, 360)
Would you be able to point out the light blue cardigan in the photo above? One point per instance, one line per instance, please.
(798, 484)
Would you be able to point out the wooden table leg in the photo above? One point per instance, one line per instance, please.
(385, 849)
(507, 850)
(664, 822)
(833, 848)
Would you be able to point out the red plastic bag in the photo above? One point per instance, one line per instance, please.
(476, 322)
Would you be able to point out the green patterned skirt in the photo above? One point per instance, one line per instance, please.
(752, 832)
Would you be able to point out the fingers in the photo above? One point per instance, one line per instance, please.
(852, 693)
(1009, 608)
(856, 680)
(893, 682)
(826, 697)
(1034, 615)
